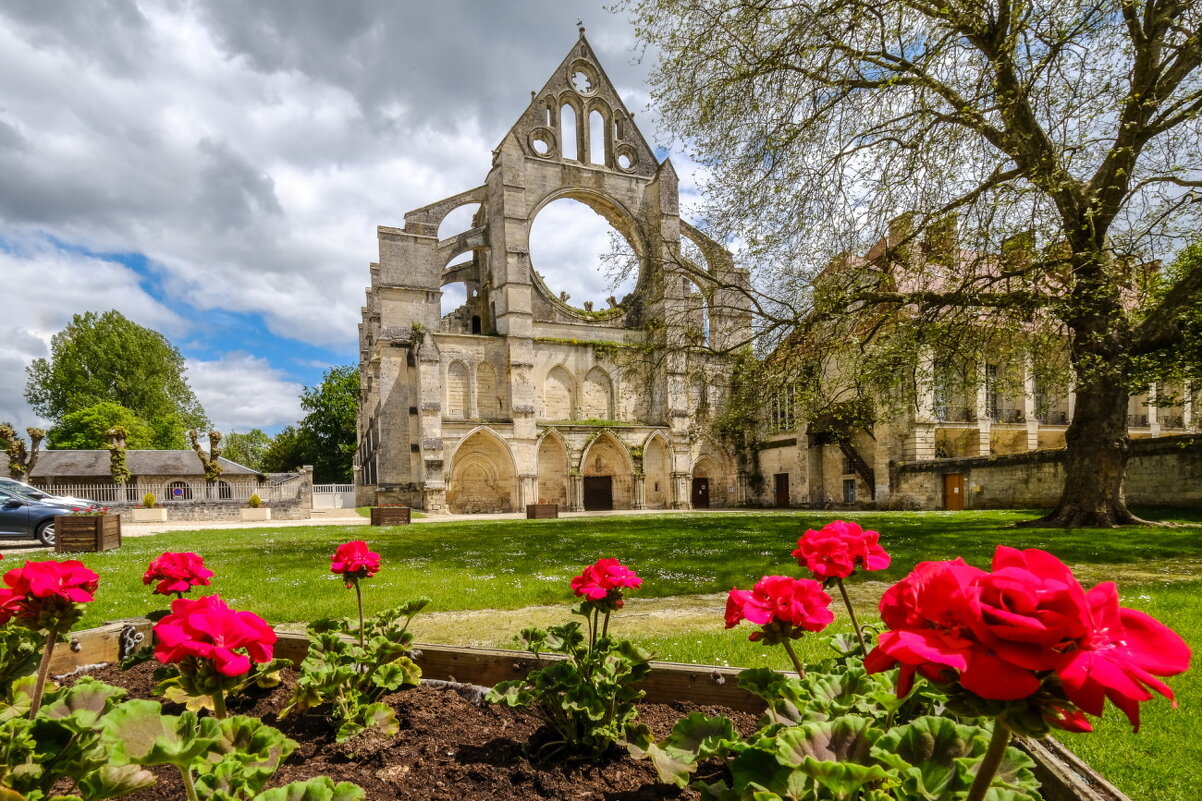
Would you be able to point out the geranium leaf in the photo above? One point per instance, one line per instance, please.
(842, 779)
(319, 789)
(927, 753)
(138, 732)
(110, 781)
(845, 739)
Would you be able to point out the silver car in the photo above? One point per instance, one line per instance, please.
(24, 490)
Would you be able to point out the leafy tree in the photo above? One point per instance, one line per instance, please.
(248, 449)
(88, 428)
(105, 357)
(1063, 136)
(289, 450)
(332, 409)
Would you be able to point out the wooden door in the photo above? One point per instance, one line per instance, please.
(598, 493)
(953, 492)
(782, 489)
(701, 493)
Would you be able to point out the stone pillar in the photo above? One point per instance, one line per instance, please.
(1072, 404)
(1187, 406)
(682, 493)
(527, 490)
(576, 494)
(639, 500)
(1029, 410)
(925, 402)
(1153, 410)
(984, 423)
(919, 445)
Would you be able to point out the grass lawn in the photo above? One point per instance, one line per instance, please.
(518, 570)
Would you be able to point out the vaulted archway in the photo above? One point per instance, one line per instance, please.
(657, 473)
(482, 473)
(553, 470)
(608, 474)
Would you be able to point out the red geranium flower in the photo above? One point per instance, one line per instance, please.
(354, 561)
(798, 604)
(840, 547)
(177, 572)
(598, 580)
(206, 628)
(41, 594)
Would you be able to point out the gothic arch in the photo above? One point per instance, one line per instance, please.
(597, 396)
(559, 394)
(606, 457)
(459, 390)
(657, 471)
(483, 476)
(713, 462)
(553, 469)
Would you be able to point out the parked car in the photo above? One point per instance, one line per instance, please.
(29, 491)
(25, 518)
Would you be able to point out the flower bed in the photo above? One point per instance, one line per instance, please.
(967, 665)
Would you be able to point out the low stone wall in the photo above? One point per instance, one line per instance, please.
(1165, 471)
(221, 511)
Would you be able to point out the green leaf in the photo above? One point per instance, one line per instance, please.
(846, 739)
(137, 732)
(110, 781)
(251, 751)
(319, 789)
(693, 738)
(926, 752)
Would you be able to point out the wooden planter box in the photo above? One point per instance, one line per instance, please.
(542, 511)
(1063, 775)
(390, 515)
(157, 514)
(78, 533)
(251, 514)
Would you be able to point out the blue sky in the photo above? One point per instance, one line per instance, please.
(216, 170)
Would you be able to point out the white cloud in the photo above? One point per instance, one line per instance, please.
(240, 392)
(45, 287)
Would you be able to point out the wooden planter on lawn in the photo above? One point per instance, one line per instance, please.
(78, 533)
(542, 511)
(1064, 777)
(390, 515)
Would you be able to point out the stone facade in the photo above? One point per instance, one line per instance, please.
(519, 397)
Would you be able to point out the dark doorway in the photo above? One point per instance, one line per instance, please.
(953, 492)
(782, 489)
(701, 493)
(598, 493)
(475, 324)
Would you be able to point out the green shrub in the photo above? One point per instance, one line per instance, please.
(148, 500)
(254, 502)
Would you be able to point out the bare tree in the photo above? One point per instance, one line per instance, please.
(1064, 137)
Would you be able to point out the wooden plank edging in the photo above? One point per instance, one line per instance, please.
(1063, 775)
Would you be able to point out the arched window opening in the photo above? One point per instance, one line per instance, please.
(596, 137)
(454, 298)
(179, 491)
(578, 252)
(698, 311)
(460, 220)
(475, 324)
(567, 132)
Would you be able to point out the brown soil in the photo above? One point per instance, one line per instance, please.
(449, 747)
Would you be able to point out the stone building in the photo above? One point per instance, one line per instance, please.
(519, 396)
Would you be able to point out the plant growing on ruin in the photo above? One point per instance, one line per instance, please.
(588, 697)
(21, 460)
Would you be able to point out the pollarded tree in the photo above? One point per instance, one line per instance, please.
(1064, 136)
(21, 460)
(106, 357)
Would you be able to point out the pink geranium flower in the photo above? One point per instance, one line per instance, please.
(796, 605)
(41, 593)
(353, 561)
(838, 549)
(206, 628)
(605, 579)
(177, 572)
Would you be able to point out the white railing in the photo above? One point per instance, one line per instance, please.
(333, 496)
(166, 493)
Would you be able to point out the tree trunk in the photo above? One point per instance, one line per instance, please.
(1095, 464)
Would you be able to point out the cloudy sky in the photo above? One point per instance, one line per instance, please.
(216, 169)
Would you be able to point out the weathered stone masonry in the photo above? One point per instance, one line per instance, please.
(518, 397)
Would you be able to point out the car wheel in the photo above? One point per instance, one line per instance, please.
(45, 533)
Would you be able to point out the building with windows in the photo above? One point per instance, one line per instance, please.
(518, 396)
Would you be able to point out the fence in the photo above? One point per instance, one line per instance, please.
(166, 493)
(333, 496)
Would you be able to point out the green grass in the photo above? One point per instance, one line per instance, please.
(689, 561)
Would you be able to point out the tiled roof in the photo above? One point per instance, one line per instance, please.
(95, 464)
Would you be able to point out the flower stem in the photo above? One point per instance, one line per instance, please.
(605, 628)
(43, 670)
(792, 655)
(992, 760)
(359, 598)
(219, 704)
(852, 612)
(189, 785)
